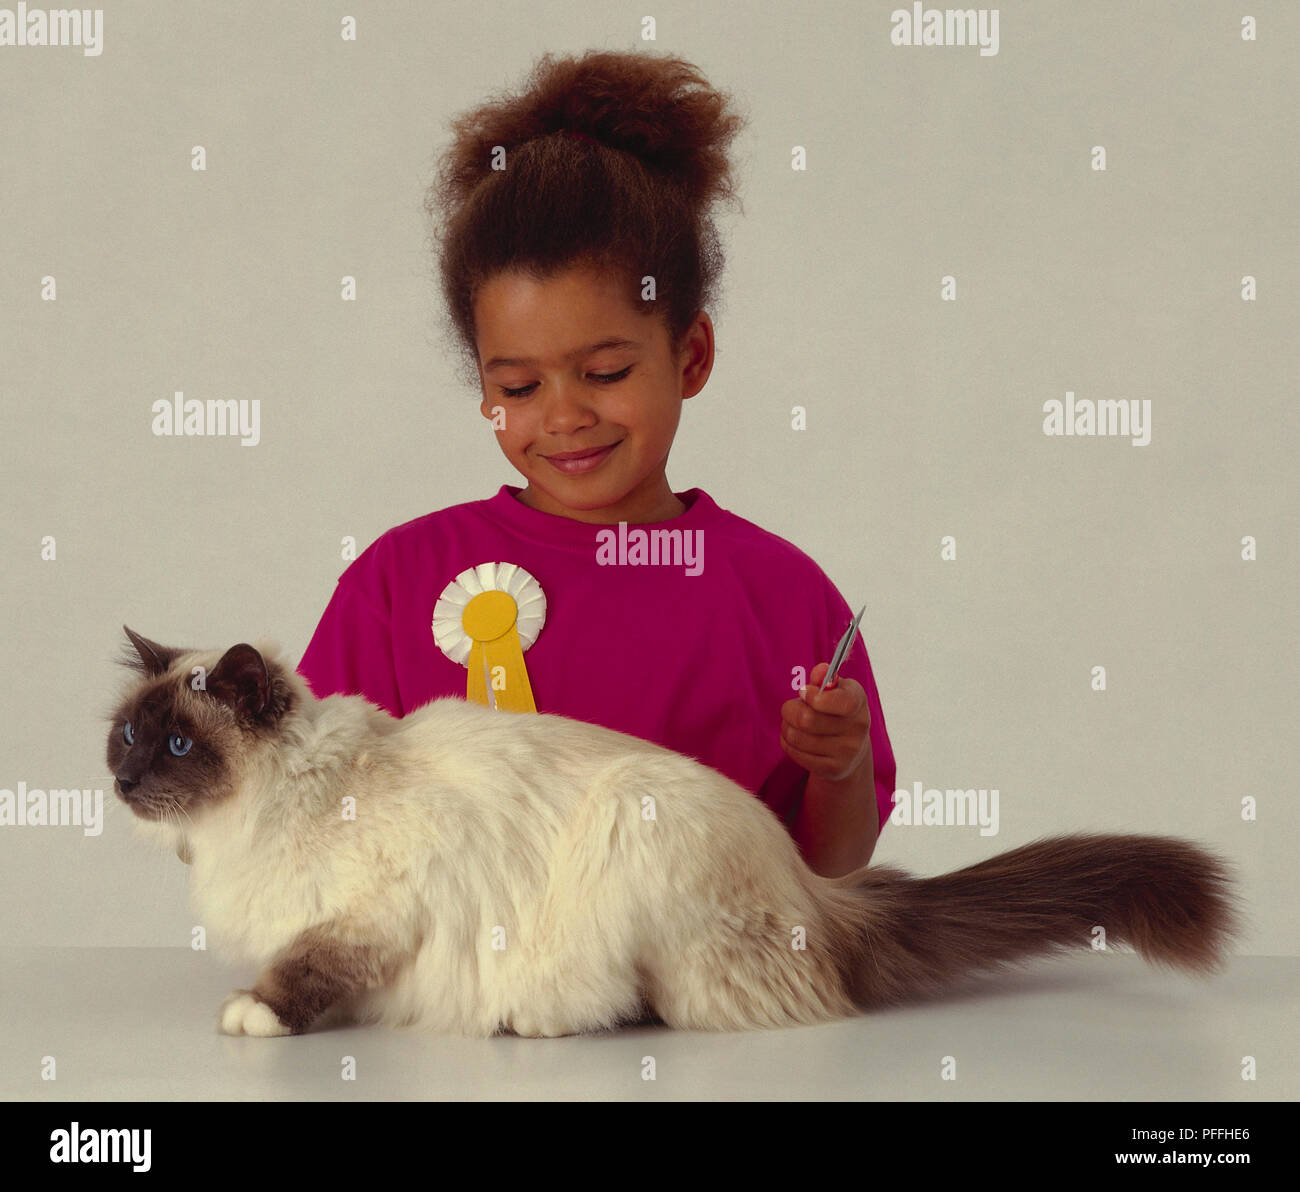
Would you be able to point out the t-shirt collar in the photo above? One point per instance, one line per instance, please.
(554, 530)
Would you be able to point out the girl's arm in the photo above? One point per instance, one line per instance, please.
(837, 824)
(828, 733)
(351, 652)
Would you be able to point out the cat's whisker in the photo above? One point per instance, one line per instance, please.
(158, 876)
(186, 835)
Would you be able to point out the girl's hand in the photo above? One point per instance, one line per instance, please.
(828, 733)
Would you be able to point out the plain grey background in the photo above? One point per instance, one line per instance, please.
(924, 416)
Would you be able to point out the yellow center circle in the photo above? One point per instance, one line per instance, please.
(489, 615)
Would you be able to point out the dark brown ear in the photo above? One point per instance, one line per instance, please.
(241, 680)
(150, 658)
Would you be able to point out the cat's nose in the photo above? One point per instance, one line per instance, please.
(126, 786)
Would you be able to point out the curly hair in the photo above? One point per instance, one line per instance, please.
(629, 190)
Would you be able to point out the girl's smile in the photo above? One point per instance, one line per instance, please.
(573, 462)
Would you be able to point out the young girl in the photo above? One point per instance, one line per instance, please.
(577, 253)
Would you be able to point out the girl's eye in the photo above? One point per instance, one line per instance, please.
(128, 733)
(180, 745)
(602, 378)
(606, 378)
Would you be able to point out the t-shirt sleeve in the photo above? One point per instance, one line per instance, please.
(857, 665)
(351, 652)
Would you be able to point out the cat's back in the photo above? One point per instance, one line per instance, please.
(456, 732)
(471, 777)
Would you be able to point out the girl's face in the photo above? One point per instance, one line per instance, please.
(588, 391)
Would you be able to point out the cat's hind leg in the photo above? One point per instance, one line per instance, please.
(696, 908)
(751, 968)
(568, 991)
(571, 964)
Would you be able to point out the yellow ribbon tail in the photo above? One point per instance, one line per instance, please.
(477, 692)
(509, 676)
(499, 666)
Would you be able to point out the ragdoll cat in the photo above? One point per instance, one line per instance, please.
(468, 870)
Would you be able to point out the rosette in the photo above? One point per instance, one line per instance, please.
(484, 620)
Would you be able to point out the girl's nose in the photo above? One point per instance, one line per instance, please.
(567, 408)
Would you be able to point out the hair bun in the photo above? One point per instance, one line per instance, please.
(661, 109)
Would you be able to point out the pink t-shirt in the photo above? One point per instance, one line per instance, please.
(695, 651)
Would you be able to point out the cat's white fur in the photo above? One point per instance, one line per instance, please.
(541, 872)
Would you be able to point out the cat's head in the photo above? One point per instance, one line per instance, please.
(187, 732)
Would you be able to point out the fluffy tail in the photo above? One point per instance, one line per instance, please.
(1167, 898)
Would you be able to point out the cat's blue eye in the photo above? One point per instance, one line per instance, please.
(180, 745)
(128, 733)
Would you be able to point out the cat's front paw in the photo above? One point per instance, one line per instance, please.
(244, 1013)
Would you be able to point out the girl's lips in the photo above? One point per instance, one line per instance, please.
(571, 462)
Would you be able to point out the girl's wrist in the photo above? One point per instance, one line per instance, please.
(862, 772)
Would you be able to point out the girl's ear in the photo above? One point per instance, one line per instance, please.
(150, 658)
